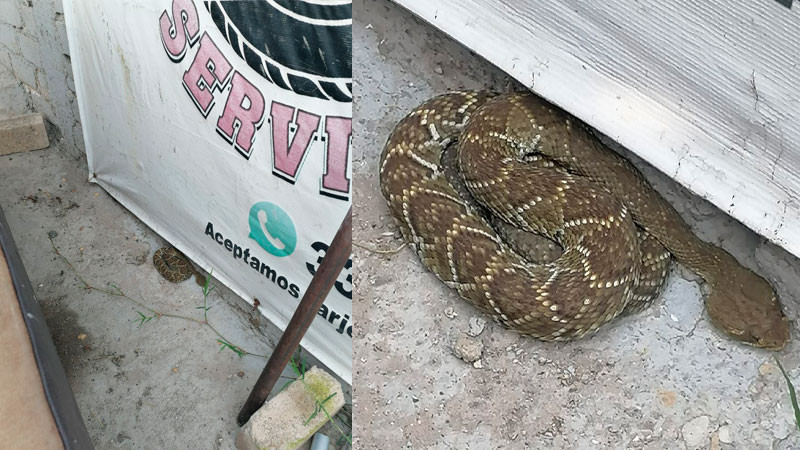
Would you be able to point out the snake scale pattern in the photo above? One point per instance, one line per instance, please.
(175, 266)
(476, 181)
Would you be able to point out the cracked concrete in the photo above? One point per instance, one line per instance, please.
(161, 384)
(663, 379)
(35, 68)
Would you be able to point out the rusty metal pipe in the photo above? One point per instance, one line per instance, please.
(335, 258)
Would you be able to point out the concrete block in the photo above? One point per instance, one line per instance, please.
(22, 134)
(279, 424)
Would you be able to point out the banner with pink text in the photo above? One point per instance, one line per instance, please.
(226, 127)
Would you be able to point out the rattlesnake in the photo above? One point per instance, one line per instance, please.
(520, 161)
(175, 266)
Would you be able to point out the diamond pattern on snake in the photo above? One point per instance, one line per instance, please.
(517, 206)
(175, 267)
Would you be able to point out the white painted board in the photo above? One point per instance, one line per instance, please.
(226, 140)
(707, 92)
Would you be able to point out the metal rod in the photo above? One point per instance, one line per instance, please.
(329, 269)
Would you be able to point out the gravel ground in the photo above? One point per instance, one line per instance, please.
(663, 379)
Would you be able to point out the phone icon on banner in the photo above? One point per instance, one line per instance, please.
(262, 220)
(272, 229)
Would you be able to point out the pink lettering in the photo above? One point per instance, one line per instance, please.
(290, 140)
(209, 71)
(173, 36)
(338, 132)
(243, 115)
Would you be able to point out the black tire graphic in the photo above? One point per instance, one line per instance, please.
(301, 45)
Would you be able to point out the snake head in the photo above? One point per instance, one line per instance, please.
(746, 308)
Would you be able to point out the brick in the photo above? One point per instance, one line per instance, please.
(279, 423)
(22, 134)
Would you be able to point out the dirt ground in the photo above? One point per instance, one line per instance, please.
(164, 383)
(663, 379)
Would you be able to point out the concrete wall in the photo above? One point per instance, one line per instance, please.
(35, 68)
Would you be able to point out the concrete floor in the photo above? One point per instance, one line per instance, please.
(163, 384)
(664, 379)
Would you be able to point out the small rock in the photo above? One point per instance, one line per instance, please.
(477, 364)
(715, 441)
(240, 374)
(725, 435)
(695, 432)
(82, 336)
(667, 397)
(438, 70)
(766, 369)
(476, 326)
(450, 313)
(468, 349)
(781, 428)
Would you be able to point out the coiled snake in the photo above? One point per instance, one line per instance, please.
(520, 162)
(175, 266)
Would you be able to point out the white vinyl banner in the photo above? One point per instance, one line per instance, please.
(226, 127)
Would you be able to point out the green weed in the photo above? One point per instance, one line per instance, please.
(299, 366)
(792, 393)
